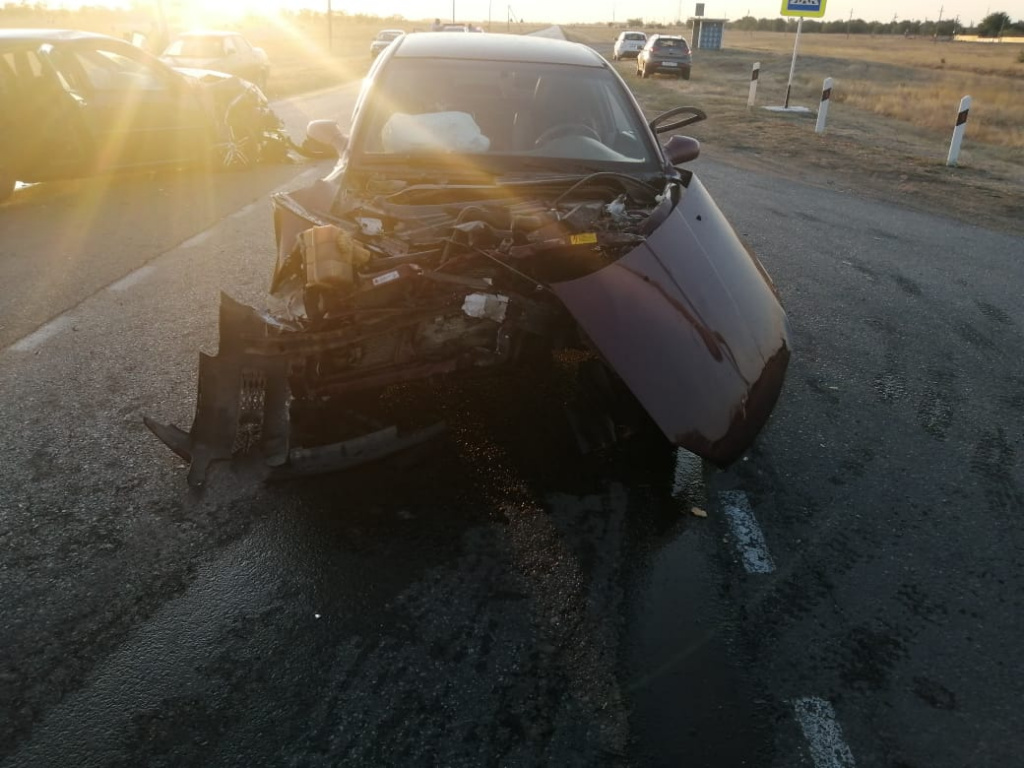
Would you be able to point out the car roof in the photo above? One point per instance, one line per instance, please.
(207, 33)
(498, 47)
(632, 32)
(49, 35)
(391, 31)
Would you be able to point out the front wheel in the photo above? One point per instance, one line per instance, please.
(240, 150)
(685, 74)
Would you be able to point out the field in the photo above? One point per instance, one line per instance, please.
(894, 104)
(893, 107)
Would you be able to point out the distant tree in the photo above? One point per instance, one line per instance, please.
(634, 22)
(994, 24)
(746, 24)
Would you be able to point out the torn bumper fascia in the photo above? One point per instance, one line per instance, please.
(693, 325)
(689, 320)
(243, 411)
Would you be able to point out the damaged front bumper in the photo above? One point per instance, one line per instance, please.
(418, 282)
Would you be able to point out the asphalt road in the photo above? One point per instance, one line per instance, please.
(502, 603)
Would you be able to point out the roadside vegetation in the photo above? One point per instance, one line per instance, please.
(894, 100)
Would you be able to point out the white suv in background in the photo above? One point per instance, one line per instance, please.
(628, 44)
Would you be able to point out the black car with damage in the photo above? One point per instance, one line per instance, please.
(76, 103)
(499, 199)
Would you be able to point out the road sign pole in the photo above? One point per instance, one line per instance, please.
(792, 65)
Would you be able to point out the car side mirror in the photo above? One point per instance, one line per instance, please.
(327, 133)
(664, 122)
(681, 149)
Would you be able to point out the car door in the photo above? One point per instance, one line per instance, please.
(138, 112)
(40, 122)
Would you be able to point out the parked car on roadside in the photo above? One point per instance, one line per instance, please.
(500, 203)
(77, 103)
(221, 52)
(383, 40)
(628, 45)
(665, 55)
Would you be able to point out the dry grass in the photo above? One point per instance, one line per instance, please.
(914, 81)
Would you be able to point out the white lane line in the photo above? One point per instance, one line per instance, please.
(132, 278)
(42, 334)
(818, 721)
(244, 211)
(687, 472)
(746, 531)
(199, 238)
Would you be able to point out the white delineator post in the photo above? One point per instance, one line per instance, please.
(755, 72)
(958, 130)
(826, 97)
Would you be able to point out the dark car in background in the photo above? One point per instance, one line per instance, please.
(77, 103)
(665, 55)
(501, 207)
(221, 52)
(383, 39)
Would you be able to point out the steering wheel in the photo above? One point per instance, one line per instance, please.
(566, 129)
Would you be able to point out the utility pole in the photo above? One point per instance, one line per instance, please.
(849, 21)
(330, 35)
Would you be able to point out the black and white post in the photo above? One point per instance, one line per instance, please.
(826, 97)
(958, 130)
(755, 72)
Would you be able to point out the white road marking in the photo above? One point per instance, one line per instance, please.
(818, 721)
(688, 470)
(132, 278)
(42, 334)
(748, 535)
(245, 210)
(199, 238)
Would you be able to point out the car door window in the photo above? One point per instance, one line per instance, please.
(229, 46)
(108, 70)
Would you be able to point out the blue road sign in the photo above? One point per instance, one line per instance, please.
(815, 8)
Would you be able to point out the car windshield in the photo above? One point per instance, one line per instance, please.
(389, 34)
(196, 47)
(501, 116)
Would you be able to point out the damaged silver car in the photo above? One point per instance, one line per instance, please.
(499, 199)
(75, 104)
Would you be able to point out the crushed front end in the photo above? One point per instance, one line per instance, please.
(410, 281)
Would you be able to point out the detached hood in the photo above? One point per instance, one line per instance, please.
(692, 324)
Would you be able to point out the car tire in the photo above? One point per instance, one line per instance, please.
(240, 151)
(685, 75)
